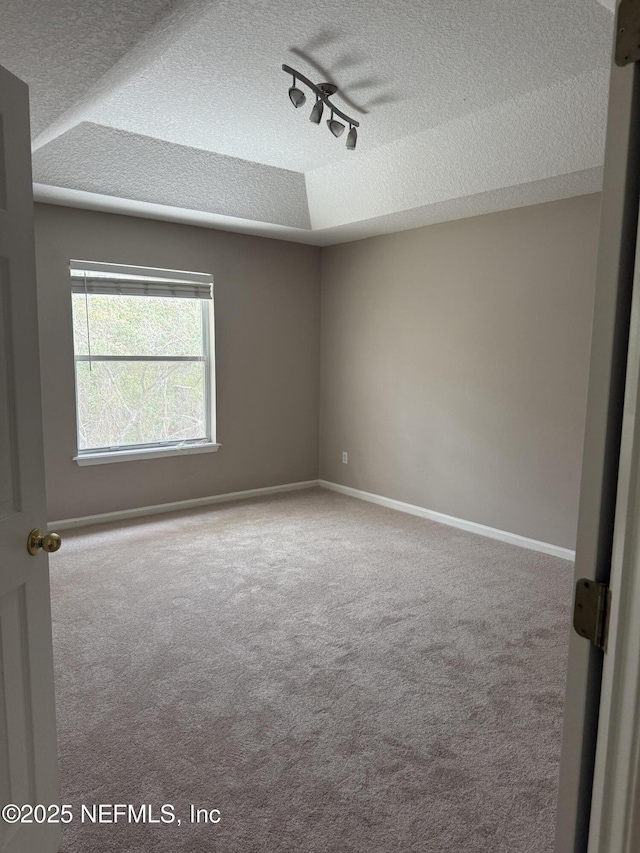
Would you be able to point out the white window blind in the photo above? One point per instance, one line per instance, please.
(93, 277)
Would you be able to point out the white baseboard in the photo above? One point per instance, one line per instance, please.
(462, 524)
(157, 509)
(411, 509)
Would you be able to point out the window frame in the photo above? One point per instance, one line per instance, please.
(157, 449)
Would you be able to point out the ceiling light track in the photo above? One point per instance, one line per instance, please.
(322, 91)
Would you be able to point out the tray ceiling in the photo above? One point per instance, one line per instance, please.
(180, 109)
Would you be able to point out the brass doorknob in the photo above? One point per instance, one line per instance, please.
(39, 541)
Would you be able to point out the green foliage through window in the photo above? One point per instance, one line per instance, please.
(141, 370)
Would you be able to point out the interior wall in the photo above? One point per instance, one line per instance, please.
(453, 370)
(454, 363)
(267, 360)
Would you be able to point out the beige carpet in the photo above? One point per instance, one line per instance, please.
(331, 675)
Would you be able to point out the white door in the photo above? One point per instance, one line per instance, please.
(585, 805)
(28, 752)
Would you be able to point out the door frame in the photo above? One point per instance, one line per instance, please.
(615, 809)
(591, 776)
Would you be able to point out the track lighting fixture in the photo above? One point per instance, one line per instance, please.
(334, 126)
(322, 91)
(316, 112)
(297, 96)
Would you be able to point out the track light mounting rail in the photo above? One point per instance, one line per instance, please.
(323, 91)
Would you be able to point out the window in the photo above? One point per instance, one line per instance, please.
(143, 343)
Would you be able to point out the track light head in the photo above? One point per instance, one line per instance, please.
(336, 127)
(316, 112)
(296, 96)
(352, 138)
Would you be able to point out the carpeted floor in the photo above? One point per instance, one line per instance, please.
(333, 676)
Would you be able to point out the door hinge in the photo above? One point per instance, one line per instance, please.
(627, 32)
(591, 611)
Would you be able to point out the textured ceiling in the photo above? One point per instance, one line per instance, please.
(465, 107)
(61, 47)
(155, 171)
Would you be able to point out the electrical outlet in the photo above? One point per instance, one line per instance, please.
(345, 457)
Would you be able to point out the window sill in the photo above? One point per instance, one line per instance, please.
(145, 453)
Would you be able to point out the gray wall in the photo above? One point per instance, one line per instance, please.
(454, 365)
(267, 353)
